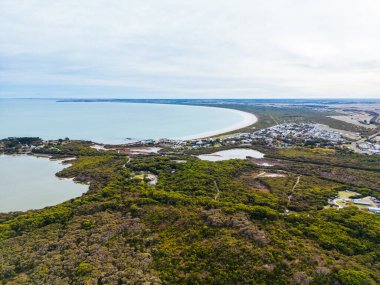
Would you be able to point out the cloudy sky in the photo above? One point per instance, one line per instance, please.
(190, 48)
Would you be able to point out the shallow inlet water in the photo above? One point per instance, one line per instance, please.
(28, 182)
(236, 153)
(112, 122)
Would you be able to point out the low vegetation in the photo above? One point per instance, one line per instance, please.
(203, 223)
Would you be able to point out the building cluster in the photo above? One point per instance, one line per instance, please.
(300, 134)
(372, 204)
(290, 134)
(368, 146)
(368, 204)
(283, 135)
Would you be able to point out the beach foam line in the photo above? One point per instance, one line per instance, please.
(248, 119)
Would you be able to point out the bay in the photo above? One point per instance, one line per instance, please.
(113, 123)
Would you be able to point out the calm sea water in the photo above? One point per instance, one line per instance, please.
(28, 182)
(106, 122)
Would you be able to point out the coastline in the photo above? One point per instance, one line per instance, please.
(249, 119)
(203, 120)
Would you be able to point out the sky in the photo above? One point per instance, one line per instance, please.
(190, 48)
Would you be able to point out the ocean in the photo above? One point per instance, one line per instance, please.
(114, 122)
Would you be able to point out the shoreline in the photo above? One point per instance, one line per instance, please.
(249, 119)
(246, 119)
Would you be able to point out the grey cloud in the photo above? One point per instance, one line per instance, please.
(232, 48)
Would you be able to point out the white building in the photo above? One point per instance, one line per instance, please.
(374, 210)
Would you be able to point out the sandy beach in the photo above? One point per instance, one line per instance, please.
(248, 119)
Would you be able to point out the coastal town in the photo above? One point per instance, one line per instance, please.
(278, 136)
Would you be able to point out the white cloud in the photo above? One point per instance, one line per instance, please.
(209, 48)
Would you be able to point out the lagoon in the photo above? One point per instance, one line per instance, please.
(114, 122)
(29, 182)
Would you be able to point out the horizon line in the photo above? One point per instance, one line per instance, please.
(163, 98)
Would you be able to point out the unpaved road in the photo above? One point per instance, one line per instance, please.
(291, 193)
(217, 191)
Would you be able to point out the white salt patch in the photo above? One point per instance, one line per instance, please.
(273, 175)
(265, 164)
(236, 153)
(145, 150)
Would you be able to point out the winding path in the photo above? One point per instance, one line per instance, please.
(291, 193)
(217, 191)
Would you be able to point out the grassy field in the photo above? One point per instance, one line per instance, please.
(270, 115)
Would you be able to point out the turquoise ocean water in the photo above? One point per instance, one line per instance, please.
(106, 122)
